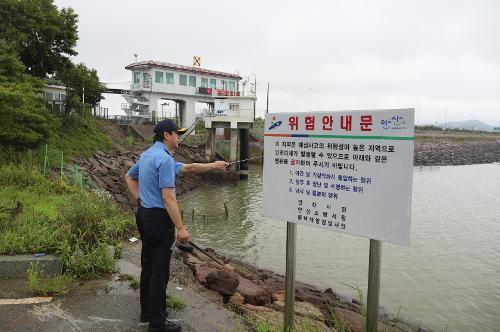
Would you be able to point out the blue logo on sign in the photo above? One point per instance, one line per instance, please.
(396, 122)
(274, 124)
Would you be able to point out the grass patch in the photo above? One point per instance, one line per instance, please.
(134, 282)
(175, 303)
(48, 286)
(396, 324)
(302, 325)
(43, 215)
(129, 141)
(79, 135)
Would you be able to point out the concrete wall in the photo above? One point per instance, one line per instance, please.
(234, 118)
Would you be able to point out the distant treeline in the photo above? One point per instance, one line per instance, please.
(431, 127)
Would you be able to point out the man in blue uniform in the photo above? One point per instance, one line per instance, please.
(152, 182)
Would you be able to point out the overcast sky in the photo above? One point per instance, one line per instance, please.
(437, 56)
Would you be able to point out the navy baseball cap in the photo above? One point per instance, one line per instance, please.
(168, 125)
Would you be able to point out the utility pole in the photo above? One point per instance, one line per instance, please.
(255, 90)
(267, 102)
(445, 119)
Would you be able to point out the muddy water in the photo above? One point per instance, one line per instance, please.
(449, 275)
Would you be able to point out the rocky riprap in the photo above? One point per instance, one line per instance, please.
(456, 153)
(107, 170)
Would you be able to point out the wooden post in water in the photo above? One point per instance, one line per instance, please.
(373, 285)
(291, 237)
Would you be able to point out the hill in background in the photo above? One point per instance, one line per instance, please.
(468, 125)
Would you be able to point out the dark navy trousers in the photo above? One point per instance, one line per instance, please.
(158, 237)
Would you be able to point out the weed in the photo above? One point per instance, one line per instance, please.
(129, 141)
(337, 323)
(175, 303)
(86, 262)
(361, 297)
(396, 324)
(31, 233)
(134, 282)
(40, 285)
(301, 325)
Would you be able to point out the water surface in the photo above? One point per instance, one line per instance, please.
(450, 274)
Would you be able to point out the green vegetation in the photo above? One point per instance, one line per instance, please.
(48, 286)
(43, 36)
(44, 204)
(46, 215)
(175, 303)
(81, 81)
(25, 121)
(36, 40)
(78, 135)
(134, 282)
(302, 325)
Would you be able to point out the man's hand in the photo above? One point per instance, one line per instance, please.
(182, 235)
(222, 165)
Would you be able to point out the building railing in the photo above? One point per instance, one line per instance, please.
(127, 120)
(169, 88)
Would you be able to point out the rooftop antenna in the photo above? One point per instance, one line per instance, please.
(135, 56)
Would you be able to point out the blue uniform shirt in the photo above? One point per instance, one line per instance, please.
(155, 169)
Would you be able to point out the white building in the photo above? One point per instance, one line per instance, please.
(55, 94)
(230, 103)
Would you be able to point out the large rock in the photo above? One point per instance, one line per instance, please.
(222, 281)
(201, 271)
(257, 308)
(192, 261)
(121, 199)
(279, 295)
(355, 320)
(108, 181)
(303, 309)
(236, 300)
(253, 293)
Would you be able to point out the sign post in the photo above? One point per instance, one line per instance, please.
(349, 172)
(291, 237)
(373, 285)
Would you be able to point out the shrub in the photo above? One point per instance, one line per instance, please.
(86, 262)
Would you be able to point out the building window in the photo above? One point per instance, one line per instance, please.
(234, 107)
(169, 79)
(213, 83)
(231, 86)
(204, 82)
(145, 77)
(182, 80)
(224, 85)
(192, 81)
(137, 76)
(158, 77)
